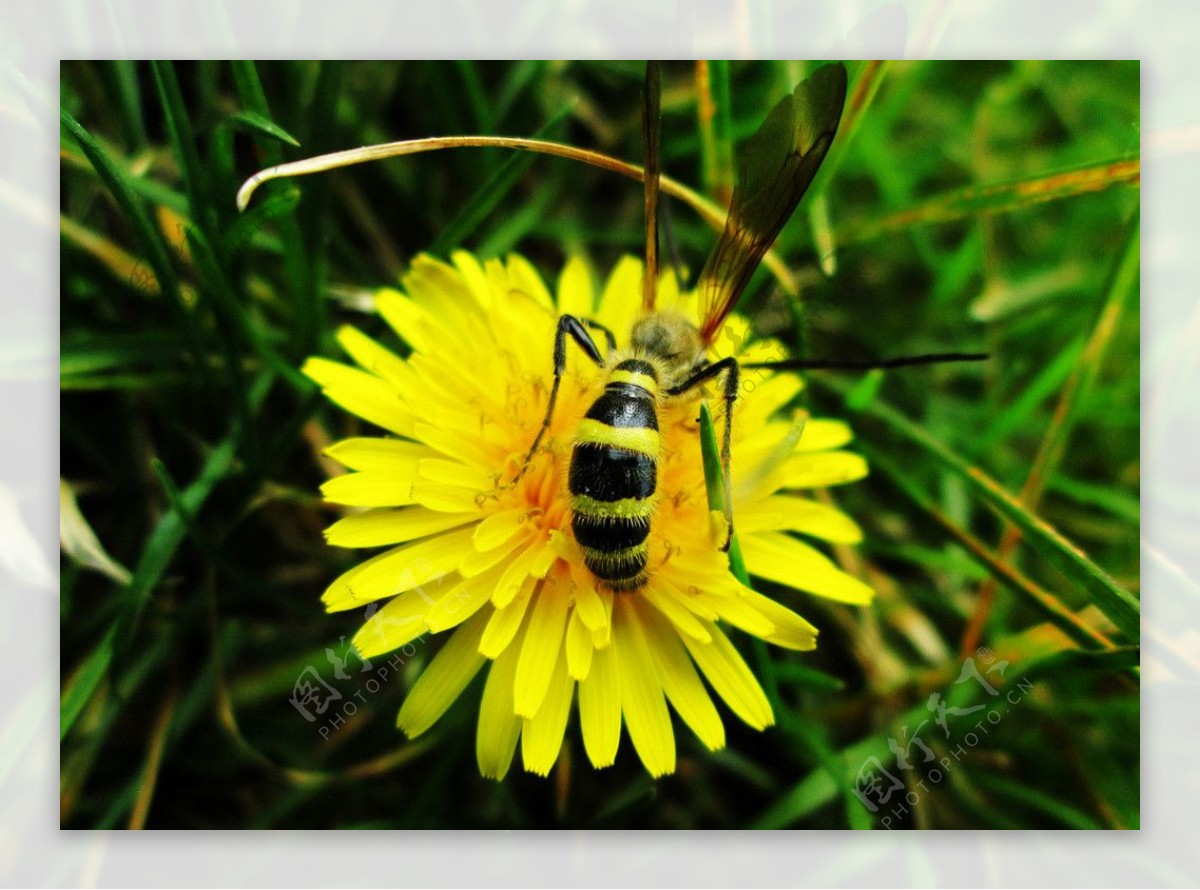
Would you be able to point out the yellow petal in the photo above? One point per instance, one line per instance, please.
(669, 297)
(665, 600)
(445, 498)
(498, 729)
(731, 678)
(790, 513)
(452, 443)
(516, 571)
(587, 597)
(824, 469)
(575, 289)
(477, 561)
(790, 630)
(686, 596)
(371, 488)
(543, 640)
(405, 317)
(501, 527)
(373, 356)
(473, 277)
(504, 624)
(682, 684)
(376, 453)
(370, 397)
(621, 301)
(526, 279)
(397, 570)
(602, 635)
(600, 709)
(823, 434)
(377, 528)
(736, 611)
(461, 602)
(578, 646)
(542, 735)
(766, 392)
(450, 472)
(398, 623)
(440, 290)
(784, 560)
(444, 680)
(642, 702)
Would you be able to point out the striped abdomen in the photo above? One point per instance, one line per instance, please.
(613, 476)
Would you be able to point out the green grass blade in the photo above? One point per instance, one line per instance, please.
(253, 122)
(227, 304)
(123, 73)
(170, 532)
(1004, 197)
(715, 486)
(1073, 662)
(117, 182)
(84, 684)
(1018, 411)
(179, 129)
(477, 96)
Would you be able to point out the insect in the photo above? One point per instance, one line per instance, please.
(613, 470)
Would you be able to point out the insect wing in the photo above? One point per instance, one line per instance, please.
(652, 137)
(775, 168)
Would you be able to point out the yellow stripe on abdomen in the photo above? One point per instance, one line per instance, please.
(641, 440)
(634, 378)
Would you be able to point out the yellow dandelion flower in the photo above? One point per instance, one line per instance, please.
(495, 565)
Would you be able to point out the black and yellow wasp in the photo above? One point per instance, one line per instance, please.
(613, 471)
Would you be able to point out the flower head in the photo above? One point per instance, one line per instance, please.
(493, 563)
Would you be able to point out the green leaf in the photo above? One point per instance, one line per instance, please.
(179, 128)
(85, 682)
(714, 482)
(117, 182)
(254, 123)
(123, 74)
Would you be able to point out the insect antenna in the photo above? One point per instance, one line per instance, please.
(652, 138)
(834, 364)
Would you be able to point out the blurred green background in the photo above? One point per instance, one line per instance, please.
(966, 206)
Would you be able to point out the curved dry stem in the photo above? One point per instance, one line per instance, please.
(708, 211)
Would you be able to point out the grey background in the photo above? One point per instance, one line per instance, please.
(34, 36)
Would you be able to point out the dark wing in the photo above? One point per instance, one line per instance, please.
(652, 136)
(775, 167)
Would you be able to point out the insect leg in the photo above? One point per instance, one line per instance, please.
(728, 367)
(608, 335)
(568, 325)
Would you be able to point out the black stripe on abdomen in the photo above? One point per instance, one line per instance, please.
(625, 406)
(623, 570)
(611, 474)
(609, 534)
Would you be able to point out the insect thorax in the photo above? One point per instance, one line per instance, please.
(672, 341)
